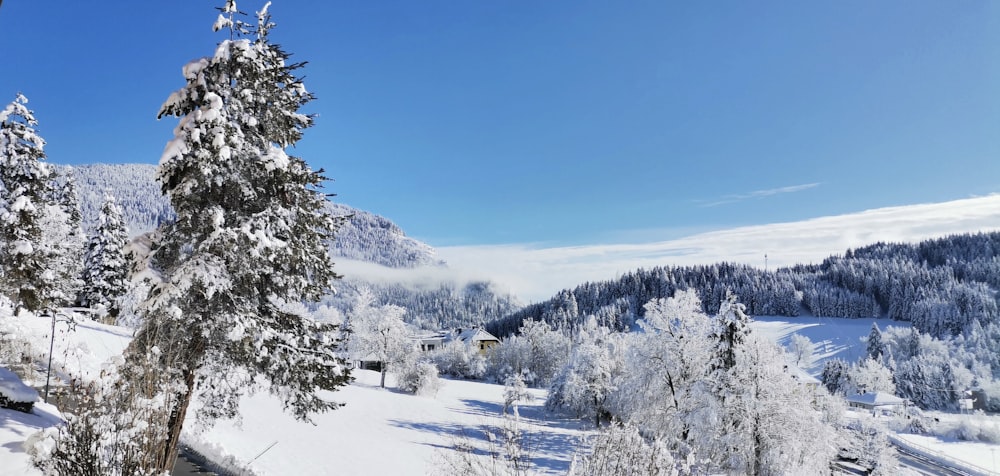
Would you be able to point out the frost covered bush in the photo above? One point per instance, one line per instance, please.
(536, 354)
(970, 428)
(120, 419)
(866, 442)
(460, 359)
(507, 452)
(15, 349)
(622, 451)
(419, 377)
(587, 381)
(514, 392)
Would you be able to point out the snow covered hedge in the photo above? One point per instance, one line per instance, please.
(14, 394)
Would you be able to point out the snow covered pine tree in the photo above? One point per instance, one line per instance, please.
(250, 239)
(107, 266)
(25, 195)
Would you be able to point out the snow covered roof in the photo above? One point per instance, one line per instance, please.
(429, 336)
(875, 399)
(473, 335)
(14, 389)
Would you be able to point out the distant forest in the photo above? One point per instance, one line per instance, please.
(942, 287)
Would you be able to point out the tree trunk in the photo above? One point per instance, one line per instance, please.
(176, 424)
(382, 384)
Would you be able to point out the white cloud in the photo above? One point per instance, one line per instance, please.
(759, 194)
(536, 273)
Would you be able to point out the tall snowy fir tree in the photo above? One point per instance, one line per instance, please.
(107, 267)
(250, 238)
(248, 247)
(25, 195)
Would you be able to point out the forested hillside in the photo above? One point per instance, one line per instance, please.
(941, 286)
(144, 207)
(363, 237)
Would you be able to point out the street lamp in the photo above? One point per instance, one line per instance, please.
(52, 341)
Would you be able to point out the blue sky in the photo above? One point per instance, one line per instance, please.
(563, 122)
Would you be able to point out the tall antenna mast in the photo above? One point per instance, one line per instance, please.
(765, 261)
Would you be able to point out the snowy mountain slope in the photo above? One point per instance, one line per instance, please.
(364, 237)
(834, 337)
(143, 205)
(369, 250)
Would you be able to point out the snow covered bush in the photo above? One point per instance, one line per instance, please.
(621, 451)
(418, 377)
(970, 428)
(514, 392)
(507, 451)
(119, 420)
(867, 444)
(587, 381)
(15, 349)
(536, 354)
(460, 359)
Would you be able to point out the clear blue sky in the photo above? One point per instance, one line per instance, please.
(563, 122)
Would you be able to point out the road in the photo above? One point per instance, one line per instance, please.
(922, 466)
(184, 467)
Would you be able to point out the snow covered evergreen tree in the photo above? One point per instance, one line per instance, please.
(25, 195)
(874, 344)
(64, 237)
(107, 265)
(764, 411)
(247, 248)
(836, 376)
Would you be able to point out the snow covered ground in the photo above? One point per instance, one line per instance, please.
(976, 457)
(379, 431)
(15, 428)
(834, 337)
(382, 431)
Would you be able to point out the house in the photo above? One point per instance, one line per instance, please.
(801, 376)
(876, 401)
(476, 337)
(367, 361)
(430, 341)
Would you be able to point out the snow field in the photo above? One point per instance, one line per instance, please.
(383, 431)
